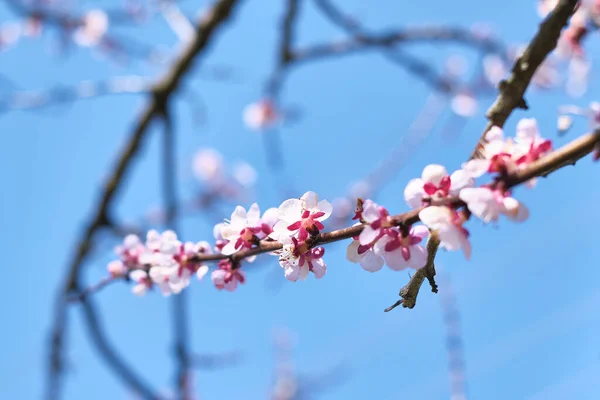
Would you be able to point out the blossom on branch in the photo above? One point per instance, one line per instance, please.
(487, 204)
(297, 259)
(226, 277)
(400, 250)
(302, 217)
(449, 224)
(435, 183)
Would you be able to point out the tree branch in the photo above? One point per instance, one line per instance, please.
(161, 93)
(513, 89)
(566, 155)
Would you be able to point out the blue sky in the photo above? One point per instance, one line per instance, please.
(527, 298)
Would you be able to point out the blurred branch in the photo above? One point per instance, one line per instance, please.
(411, 64)
(110, 355)
(513, 89)
(30, 100)
(179, 301)
(161, 93)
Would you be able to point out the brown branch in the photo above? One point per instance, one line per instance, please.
(513, 89)
(161, 93)
(566, 155)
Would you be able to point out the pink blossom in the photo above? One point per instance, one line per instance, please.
(226, 277)
(93, 28)
(435, 183)
(301, 217)
(449, 225)
(376, 219)
(487, 204)
(531, 146)
(143, 282)
(261, 115)
(208, 165)
(130, 251)
(365, 256)
(116, 268)
(240, 230)
(402, 251)
(297, 259)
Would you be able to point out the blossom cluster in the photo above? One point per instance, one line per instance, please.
(440, 196)
(162, 261)
(445, 201)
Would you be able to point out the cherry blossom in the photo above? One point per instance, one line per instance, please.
(244, 229)
(129, 253)
(301, 217)
(143, 282)
(116, 268)
(261, 115)
(435, 183)
(402, 251)
(226, 277)
(487, 204)
(449, 226)
(240, 230)
(297, 259)
(208, 165)
(376, 219)
(529, 142)
(365, 256)
(93, 27)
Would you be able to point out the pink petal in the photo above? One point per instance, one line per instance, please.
(419, 231)
(326, 208)
(371, 262)
(368, 235)
(413, 193)
(352, 252)
(418, 257)
(395, 261)
(434, 173)
(311, 199)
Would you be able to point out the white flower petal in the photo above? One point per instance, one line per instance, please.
(309, 200)
(420, 231)
(434, 173)
(476, 168)
(325, 207)
(290, 210)
(138, 275)
(459, 180)
(352, 252)
(368, 234)
(413, 193)
(202, 271)
(418, 256)
(370, 211)
(371, 262)
(395, 260)
(253, 215)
